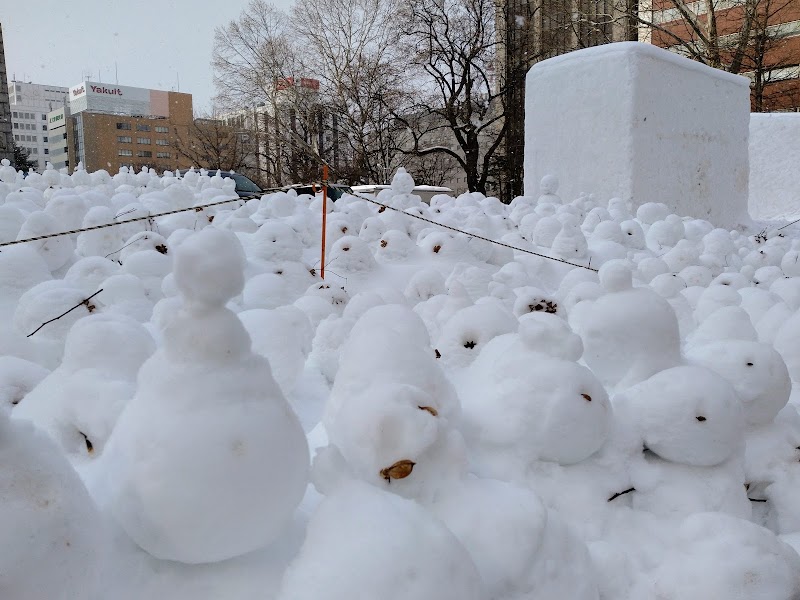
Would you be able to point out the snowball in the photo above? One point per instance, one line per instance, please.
(208, 267)
(718, 556)
(546, 559)
(366, 543)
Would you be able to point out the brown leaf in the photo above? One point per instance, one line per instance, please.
(430, 409)
(399, 470)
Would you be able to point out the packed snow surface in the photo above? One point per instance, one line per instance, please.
(440, 417)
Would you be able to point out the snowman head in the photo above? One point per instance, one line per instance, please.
(756, 371)
(209, 268)
(392, 435)
(686, 414)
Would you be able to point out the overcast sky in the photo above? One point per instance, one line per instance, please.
(154, 43)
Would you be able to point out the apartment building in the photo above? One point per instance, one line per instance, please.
(30, 103)
(115, 126)
(769, 56)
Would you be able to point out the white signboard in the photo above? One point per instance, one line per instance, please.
(110, 98)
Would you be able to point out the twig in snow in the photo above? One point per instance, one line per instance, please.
(85, 303)
(618, 494)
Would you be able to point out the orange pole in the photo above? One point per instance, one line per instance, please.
(324, 217)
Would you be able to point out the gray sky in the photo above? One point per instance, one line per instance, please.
(153, 42)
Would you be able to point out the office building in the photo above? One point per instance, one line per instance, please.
(116, 125)
(30, 105)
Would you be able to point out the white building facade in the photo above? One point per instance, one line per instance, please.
(30, 105)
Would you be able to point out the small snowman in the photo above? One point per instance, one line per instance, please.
(629, 333)
(208, 423)
(549, 188)
(687, 444)
(524, 399)
(570, 242)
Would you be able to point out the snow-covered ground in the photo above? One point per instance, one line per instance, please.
(440, 418)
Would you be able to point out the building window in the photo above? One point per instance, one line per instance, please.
(16, 138)
(34, 138)
(160, 129)
(15, 125)
(44, 127)
(46, 151)
(44, 117)
(14, 114)
(124, 139)
(34, 150)
(125, 152)
(44, 138)
(142, 127)
(125, 126)
(160, 142)
(144, 154)
(142, 140)
(162, 154)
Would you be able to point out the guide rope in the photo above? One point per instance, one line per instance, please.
(200, 207)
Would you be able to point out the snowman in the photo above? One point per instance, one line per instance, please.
(549, 188)
(79, 402)
(687, 445)
(53, 539)
(397, 436)
(524, 399)
(208, 423)
(570, 243)
(629, 333)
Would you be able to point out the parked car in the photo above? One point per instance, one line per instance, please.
(425, 192)
(335, 190)
(244, 185)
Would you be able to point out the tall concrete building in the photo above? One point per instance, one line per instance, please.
(30, 105)
(6, 144)
(116, 125)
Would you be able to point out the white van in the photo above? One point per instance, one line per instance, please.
(426, 192)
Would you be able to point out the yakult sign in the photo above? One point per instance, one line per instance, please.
(117, 99)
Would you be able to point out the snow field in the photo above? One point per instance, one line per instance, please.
(438, 418)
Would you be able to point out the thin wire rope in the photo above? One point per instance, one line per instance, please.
(467, 233)
(200, 207)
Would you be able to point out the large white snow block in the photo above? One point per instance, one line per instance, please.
(641, 123)
(774, 178)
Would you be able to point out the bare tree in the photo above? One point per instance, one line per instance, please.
(351, 45)
(459, 108)
(263, 87)
(212, 144)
